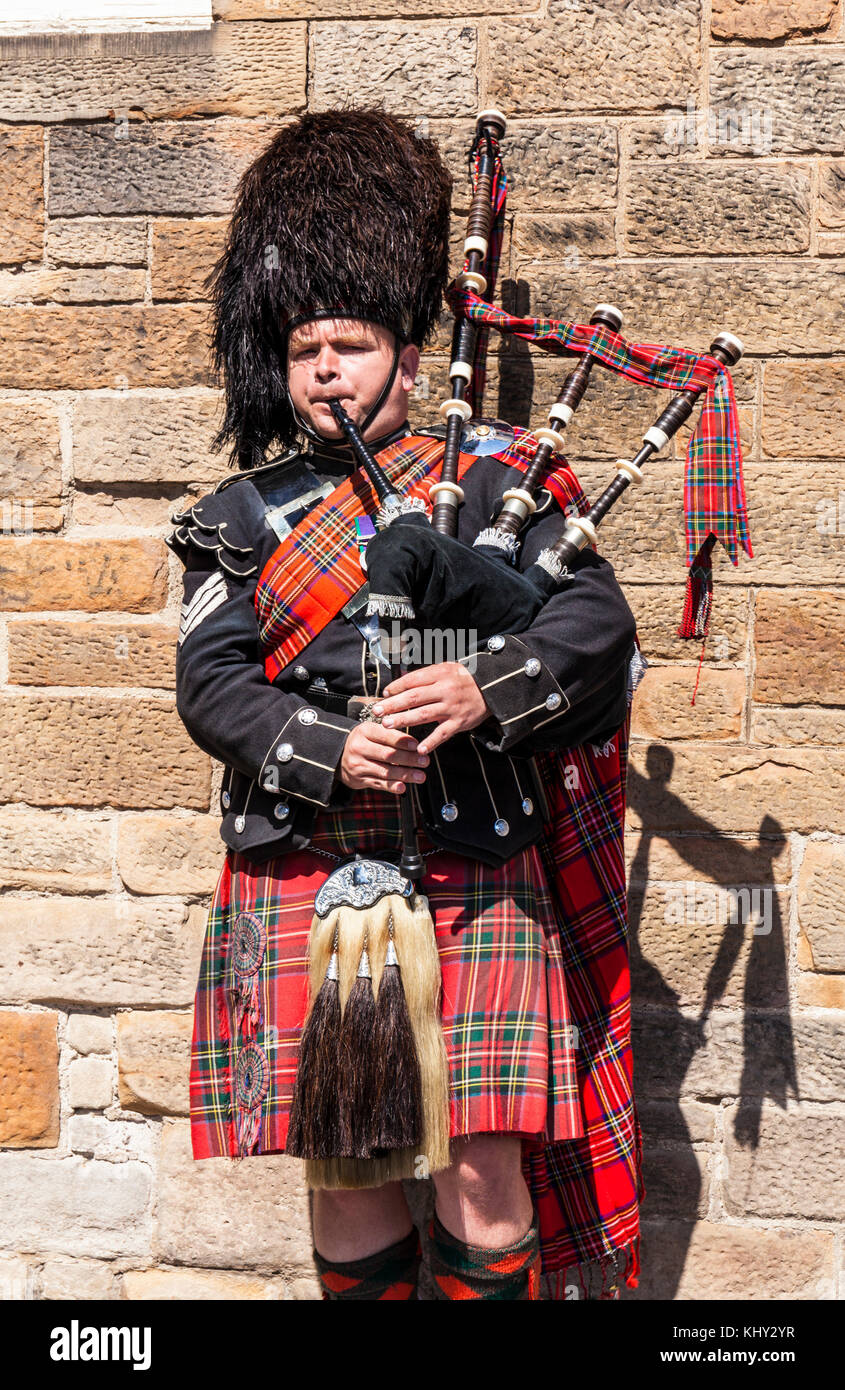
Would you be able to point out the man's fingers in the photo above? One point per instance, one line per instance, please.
(425, 675)
(440, 735)
(425, 714)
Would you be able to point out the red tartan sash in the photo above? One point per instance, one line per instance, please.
(317, 568)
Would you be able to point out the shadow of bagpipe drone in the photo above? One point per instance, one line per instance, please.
(372, 1094)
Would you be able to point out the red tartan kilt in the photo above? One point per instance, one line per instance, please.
(505, 1014)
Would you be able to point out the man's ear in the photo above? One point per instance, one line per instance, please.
(409, 362)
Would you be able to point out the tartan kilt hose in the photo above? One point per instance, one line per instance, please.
(506, 1023)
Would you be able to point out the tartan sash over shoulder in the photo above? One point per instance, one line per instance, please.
(317, 568)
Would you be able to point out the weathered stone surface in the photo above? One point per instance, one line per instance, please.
(98, 952)
(170, 854)
(812, 1184)
(72, 286)
(97, 241)
(797, 92)
(54, 850)
(682, 929)
(688, 1122)
(782, 727)
(831, 243)
(89, 1033)
(29, 1080)
(76, 1280)
(803, 410)
(821, 902)
(128, 575)
(821, 991)
(30, 464)
(100, 750)
(564, 237)
(656, 605)
(831, 209)
(431, 69)
(677, 1182)
(154, 1058)
(21, 193)
(652, 52)
(113, 505)
(184, 252)
(762, 19)
(784, 306)
(119, 346)
(18, 1280)
(169, 168)
(90, 1083)
(681, 209)
(714, 858)
(798, 640)
(230, 1215)
(180, 1284)
(363, 9)
(92, 653)
(660, 709)
(114, 1140)
(75, 1206)
(561, 167)
(142, 437)
(231, 69)
(727, 1260)
(761, 1054)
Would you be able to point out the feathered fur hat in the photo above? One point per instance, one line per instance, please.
(345, 211)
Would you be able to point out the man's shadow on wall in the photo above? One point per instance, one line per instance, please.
(664, 1054)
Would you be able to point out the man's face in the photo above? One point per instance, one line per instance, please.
(348, 360)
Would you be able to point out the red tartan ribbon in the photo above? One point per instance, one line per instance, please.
(714, 492)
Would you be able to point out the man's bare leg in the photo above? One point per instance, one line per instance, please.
(482, 1197)
(351, 1224)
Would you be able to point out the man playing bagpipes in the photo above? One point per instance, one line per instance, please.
(467, 1018)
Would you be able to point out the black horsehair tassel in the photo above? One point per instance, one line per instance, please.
(358, 1081)
(314, 1130)
(398, 1112)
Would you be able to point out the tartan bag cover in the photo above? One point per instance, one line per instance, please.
(587, 1191)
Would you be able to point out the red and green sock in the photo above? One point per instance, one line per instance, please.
(469, 1271)
(388, 1275)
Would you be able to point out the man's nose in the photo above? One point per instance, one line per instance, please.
(327, 364)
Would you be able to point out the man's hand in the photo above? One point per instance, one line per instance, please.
(384, 759)
(445, 695)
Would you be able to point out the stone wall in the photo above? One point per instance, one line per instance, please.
(685, 160)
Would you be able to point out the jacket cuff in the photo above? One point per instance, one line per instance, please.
(304, 756)
(520, 690)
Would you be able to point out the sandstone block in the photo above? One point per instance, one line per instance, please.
(432, 69)
(30, 464)
(100, 750)
(798, 640)
(715, 857)
(97, 241)
(75, 1206)
(128, 575)
(803, 411)
(661, 707)
(18, 1280)
(562, 168)
(726, 1260)
(821, 991)
(97, 952)
(181, 1284)
(154, 1060)
(687, 1122)
(170, 854)
(184, 252)
(54, 849)
(821, 895)
(89, 1033)
(74, 347)
(115, 1140)
(363, 9)
(115, 507)
(72, 286)
(78, 1280)
(654, 606)
(796, 94)
(782, 727)
(92, 653)
(169, 168)
(810, 1185)
(231, 69)
(653, 54)
(142, 437)
(563, 237)
(29, 1080)
(677, 1182)
(681, 208)
(21, 192)
(831, 212)
(90, 1083)
(762, 19)
(222, 1214)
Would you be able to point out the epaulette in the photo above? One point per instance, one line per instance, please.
(192, 529)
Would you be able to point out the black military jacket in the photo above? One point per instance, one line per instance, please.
(561, 682)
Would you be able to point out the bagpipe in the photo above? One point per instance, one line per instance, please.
(372, 1086)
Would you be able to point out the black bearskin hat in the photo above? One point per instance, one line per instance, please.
(344, 210)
